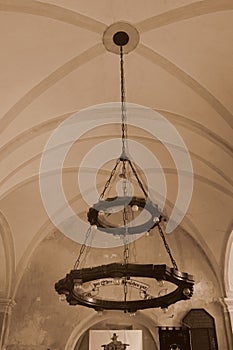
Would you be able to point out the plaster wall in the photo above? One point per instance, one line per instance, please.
(40, 320)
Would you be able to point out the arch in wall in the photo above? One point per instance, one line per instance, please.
(228, 282)
(228, 270)
(8, 255)
(140, 321)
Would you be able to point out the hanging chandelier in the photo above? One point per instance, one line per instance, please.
(116, 216)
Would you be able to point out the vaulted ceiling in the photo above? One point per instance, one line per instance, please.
(54, 64)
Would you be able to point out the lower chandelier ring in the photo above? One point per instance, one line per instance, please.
(68, 286)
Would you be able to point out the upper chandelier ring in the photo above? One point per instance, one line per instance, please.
(97, 210)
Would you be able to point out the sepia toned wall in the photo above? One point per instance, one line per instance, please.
(40, 320)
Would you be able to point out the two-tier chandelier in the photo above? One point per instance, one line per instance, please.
(116, 216)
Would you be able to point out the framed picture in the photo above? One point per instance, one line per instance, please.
(115, 340)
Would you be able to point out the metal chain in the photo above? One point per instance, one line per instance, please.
(126, 261)
(124, 158)
(123, 121)
(110, 178)
(82, 248)
(123, 108)
(123, 124)
(138, 180)
(125, 222)
(167, 247)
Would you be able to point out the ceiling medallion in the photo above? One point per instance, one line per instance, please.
(123, 216)
(115, 32)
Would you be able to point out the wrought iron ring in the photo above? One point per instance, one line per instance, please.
(71, 283)
(94, 216)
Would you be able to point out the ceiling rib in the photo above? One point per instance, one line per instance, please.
(207, 163)
(51, 11)
(9, 250)
(200, 129)
(39, 129)
(190, 11)
(49, 81)
(186, 79)
(215, 185)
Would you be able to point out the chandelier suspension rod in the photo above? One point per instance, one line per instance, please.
(107, 184)
(167, 247)
(124, 159)
(123, 107)
(138, 179)
(82, 248)
(124, 156)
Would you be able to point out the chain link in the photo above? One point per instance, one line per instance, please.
(167, 247)
(125, 222)
(82, 248)
(123, 107)
(125, 214)
(110, 178)
(138, 180)
(126, 253)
